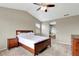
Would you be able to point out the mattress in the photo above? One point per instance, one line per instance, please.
(30, 42)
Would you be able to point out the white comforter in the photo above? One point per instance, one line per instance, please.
(30, 42)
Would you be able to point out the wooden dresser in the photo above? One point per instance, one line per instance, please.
(75, 46)
(12, 42)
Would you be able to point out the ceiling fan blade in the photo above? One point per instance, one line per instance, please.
(39, 8)
(37, 3)
(51, 5)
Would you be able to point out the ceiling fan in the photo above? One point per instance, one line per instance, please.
(44, 6)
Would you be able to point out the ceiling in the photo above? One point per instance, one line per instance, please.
(53, 13)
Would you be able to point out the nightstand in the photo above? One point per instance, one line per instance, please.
(12, 42)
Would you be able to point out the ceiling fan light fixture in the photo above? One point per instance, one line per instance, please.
(46, 10)
(43, 8)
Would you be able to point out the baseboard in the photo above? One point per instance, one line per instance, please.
(3, 49)
(62, 43)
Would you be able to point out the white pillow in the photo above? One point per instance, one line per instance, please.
(31, 33)
(27, 35)
(22, 34)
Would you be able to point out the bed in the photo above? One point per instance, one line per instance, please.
(34, 45)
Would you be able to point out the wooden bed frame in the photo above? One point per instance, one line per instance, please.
(38, 47)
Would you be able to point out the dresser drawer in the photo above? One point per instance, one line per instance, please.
(12, 41)
(75, 47)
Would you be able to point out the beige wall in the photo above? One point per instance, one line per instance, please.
(11, 20)
(65, 28)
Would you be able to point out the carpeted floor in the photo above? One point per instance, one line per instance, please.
(56, 50)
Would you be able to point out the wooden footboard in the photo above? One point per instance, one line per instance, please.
(41, 45)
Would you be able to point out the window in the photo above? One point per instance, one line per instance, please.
(37, 25)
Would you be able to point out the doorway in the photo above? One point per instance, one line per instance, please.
(52, 30)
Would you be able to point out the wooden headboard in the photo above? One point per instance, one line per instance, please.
(23, 31)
